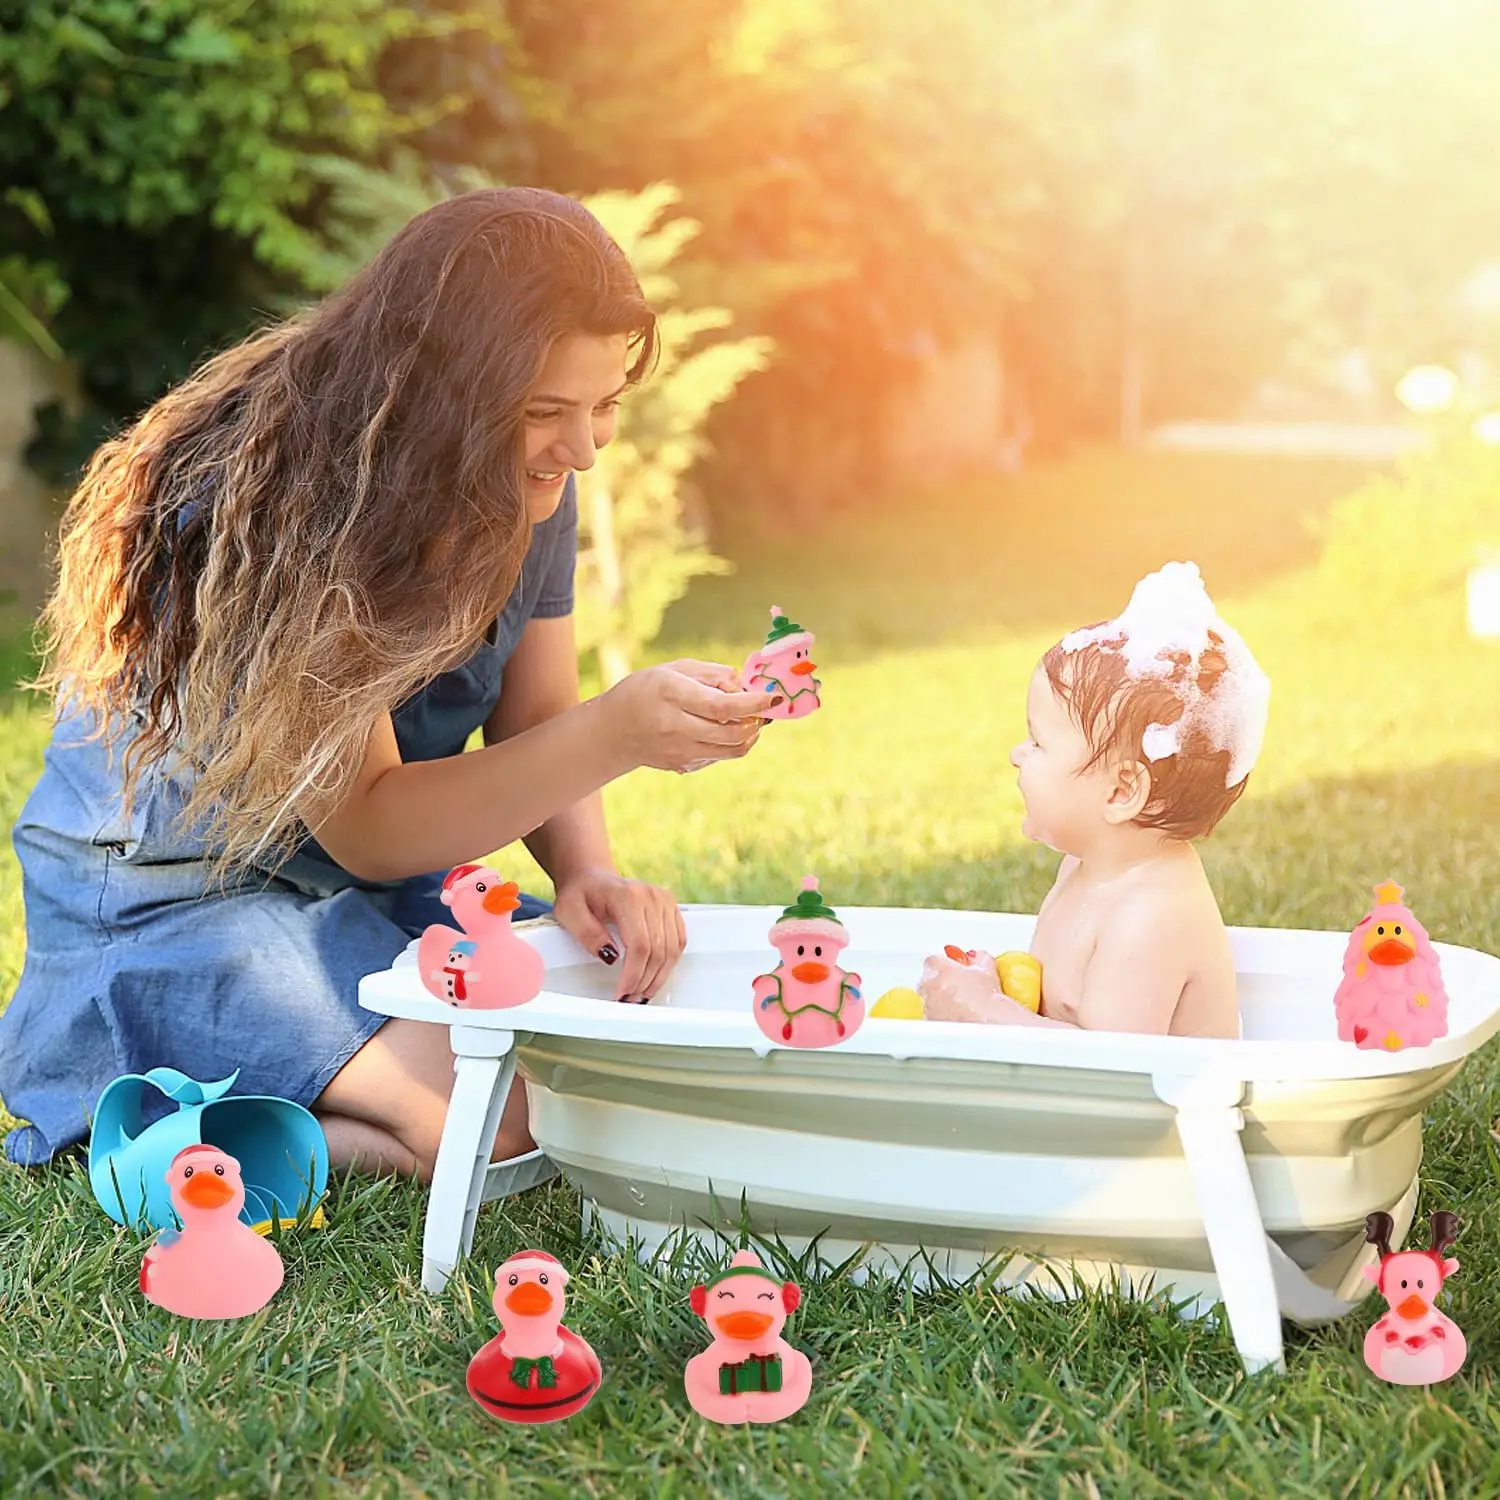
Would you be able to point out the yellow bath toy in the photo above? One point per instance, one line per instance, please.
(1020, 977)
(899, 1004)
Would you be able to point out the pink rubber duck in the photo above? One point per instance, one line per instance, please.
(749, 1373)
(807, 1000)
(217, 1266)
(1413, 1344)
(534, 1370)
(1392, 994)
(784, 665)
(486, 966)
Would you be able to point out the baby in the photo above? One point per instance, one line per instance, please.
(1141, 735)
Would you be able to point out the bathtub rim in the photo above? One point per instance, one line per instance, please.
(395, 991)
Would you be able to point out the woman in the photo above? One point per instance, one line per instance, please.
(288, 596)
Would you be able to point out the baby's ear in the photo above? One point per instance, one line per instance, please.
(1130, 793)
(1372, 1273)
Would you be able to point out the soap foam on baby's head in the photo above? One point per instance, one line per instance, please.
(1172, 682)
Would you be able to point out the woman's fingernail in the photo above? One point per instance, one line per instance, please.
(644, 1000)
(609, 953)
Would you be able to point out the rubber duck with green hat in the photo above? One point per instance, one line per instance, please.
(784, 665)
(749, 1373)
(807, 1000)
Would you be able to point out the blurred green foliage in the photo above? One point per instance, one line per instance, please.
(1146, 207)
(157, 160)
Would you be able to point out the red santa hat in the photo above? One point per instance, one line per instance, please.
(201, 1147)
(533, 1260)
(458, 873)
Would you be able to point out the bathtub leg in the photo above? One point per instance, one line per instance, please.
(484, 1065)
(1208, 1123)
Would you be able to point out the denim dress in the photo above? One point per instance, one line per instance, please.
(137, 957)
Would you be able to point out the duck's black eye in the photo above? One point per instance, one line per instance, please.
(515, 1279)
(1403, 1282)
(1380, 932)
(479, 885)
(1397, 931)
(765, 1297)
(1419, 1283)
(186, 1173)
(726, 1294)
(817, 952)
(800, 950)
(218, 1171)
(543, 1278)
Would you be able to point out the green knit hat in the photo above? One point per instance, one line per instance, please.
(810, 913)
(784, 631)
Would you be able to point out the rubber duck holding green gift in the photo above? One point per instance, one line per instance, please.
(784, 665)
(749, 1373)
(807, 1000)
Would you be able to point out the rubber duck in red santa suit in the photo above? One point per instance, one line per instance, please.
(534, 1370)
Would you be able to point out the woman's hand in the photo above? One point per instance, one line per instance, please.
(646, 918)
(686, 715)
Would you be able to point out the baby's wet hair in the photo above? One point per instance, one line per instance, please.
(1114, 709)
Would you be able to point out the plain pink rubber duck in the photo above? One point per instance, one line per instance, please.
(749, 1373)
(784, 665)
(1413, 1344)
(807, 1000)
(485, 966)
(216, 1266)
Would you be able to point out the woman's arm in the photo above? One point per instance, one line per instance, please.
(400, 820)
(541, 682)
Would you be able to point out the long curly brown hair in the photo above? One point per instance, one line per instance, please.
(325, 517)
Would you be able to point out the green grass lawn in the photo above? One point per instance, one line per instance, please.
(1382, 758)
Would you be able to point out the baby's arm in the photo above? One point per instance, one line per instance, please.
(1136, 975)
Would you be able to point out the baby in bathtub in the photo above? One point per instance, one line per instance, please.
(1141, 733)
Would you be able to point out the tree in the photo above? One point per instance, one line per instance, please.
(156, 160)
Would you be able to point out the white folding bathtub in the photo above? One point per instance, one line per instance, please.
(1235, 1170)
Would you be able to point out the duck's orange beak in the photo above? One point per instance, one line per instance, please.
(205, 1190)
(500, 899)
(803, 668)
(744, 1324)
(811, 972)
(529, 1300)
(956, 954)
(1412, 1307)
(1393, 951)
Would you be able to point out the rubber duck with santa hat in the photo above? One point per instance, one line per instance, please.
(216, 1266)
(534, 1370)
(485, 966)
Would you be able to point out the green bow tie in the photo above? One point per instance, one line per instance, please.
(546, 1376)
